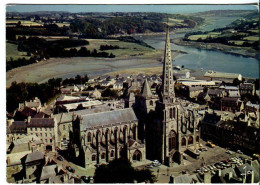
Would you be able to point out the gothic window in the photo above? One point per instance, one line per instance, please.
(197, 138)
(151, 102)
(171, 113)
(93, 157)
(89, 137)
(103, 156)
(183, 142)
(112, 153)
(134, 132)
(172, 140)
(190, 140)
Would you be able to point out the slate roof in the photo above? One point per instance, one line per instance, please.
(187, 179)
(27, 111)
(26, 139)
(214, 92)
(229, 99)
(18, 127)
(48, 171)
(41, 122)
(249, 167)
(196, 88)
(35, 156)
(41, 115)
(107, 118)
(33, 104)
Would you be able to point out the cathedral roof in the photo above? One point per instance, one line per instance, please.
(107, 118)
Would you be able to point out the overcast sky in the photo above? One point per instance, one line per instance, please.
(127, 8)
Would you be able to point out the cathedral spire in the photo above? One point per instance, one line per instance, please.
(146, 91)
(167, 81)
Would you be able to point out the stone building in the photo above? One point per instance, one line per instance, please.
(15, 130)
(170, 126)
(45, 129)
(101, 137)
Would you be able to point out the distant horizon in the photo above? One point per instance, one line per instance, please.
(166, 8)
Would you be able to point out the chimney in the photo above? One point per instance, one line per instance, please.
(251, 176)
(229, 176)
(207, 178)
(29, 119)
(172, 179)
(219, 172)
(250, 162)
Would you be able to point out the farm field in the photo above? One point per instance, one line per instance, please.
(24, 22)
(126, 48)
(12, 51)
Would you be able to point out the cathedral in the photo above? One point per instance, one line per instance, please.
(169, 125)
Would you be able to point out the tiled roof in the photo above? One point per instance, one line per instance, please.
(41, 122)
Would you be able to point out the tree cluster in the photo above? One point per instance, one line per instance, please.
(20, 92)
(77, 80)
(121, 171)
(108, 47)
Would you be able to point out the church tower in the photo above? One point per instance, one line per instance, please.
(168, 95)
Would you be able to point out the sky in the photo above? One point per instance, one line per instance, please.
(126, 8)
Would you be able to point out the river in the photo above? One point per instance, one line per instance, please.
(207, 59)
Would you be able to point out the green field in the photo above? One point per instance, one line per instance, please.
(126, 48)
(204, 36)
(11, 51)
(24, 23)
(252, 38)
(237, 42)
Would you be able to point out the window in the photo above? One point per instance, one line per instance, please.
(64, 127)
(46, 140)
(31, 129)
(50, 140)
(45, 129)
(151, 103)
(41, 134)
(45, 134)
(40, 129)
(93, 157)
(89, 137)
(103, 156)
(112, 153)
(172, 140)
(50, 135)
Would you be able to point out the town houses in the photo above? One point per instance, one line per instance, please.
(167, 119)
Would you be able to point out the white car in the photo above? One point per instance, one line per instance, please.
(156, 163)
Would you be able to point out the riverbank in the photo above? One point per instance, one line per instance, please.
(239, 51)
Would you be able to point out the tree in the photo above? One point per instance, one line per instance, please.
(109, 93)
(121, 171)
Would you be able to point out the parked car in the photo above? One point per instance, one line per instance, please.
(229, 152)
(72, 170)
(210, 144)
(60, 158)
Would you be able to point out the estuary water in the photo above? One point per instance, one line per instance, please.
(206, 59)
